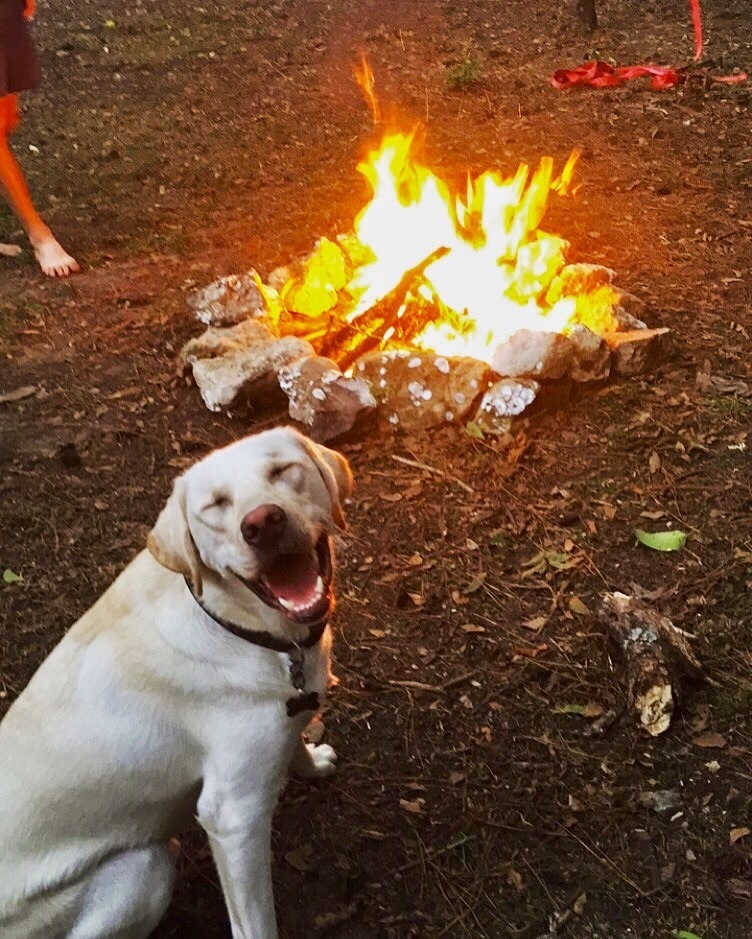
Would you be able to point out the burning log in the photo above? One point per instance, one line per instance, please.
(656, 657)
(367, 331)
(322, 398)
(241, 360)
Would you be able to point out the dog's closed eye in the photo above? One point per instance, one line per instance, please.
(219, 500)
(289, 473)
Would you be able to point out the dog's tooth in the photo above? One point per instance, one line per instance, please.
(286, 604)
(319, 585)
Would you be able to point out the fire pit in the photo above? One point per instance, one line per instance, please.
(438, 307)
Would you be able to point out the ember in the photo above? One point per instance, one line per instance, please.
(468, 279)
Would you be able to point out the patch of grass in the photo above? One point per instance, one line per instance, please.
(468, 71)
(729, 406)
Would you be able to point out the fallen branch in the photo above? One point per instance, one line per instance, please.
(656, 656)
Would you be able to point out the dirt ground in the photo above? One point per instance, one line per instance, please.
(173, 142)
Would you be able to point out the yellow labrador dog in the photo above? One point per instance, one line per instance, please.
(183, 691)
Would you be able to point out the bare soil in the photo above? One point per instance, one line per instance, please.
(171, 143)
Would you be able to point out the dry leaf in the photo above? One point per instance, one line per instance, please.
(415, 560)
(476, 583)
(535, 624)
(414, 807)
(393, 497)
(299, 858)
(736, 834)
(417, 599)
(456, 778)
(577, 606)
(654, 463)
(710, 740)
(10, 251)
(377, 633)
(472, 628)
(578, 907)
(514, 879)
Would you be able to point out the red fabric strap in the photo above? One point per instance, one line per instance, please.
(603, 75)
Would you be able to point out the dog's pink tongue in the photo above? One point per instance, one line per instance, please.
(293, 578)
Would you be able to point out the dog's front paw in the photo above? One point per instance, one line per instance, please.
(323, 760)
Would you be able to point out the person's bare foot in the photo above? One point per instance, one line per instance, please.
(53, 258)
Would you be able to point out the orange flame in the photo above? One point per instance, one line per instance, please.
(499, 267)
(485, 267)
(367, 84)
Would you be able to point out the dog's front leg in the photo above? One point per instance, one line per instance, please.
(239, 828)
(313, 761)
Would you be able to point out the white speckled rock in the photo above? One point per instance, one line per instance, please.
(239, 360)
(416, 388)
(503, 402)
(322, 399)
(532, 354)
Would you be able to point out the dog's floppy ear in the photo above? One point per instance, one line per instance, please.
(335, 471)
(170, 540)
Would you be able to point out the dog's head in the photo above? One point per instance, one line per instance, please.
(260, 510)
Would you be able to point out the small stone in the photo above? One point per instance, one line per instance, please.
(661, 801)
(230, 300)
(321, 398)
(532, 354)
(591, 356)
(241, 360)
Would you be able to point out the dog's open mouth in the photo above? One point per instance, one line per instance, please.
(298, 584)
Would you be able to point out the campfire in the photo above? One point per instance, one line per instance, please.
(437, 306)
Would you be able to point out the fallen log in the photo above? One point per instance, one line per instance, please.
(656, 656)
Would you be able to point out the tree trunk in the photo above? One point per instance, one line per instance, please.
(585, 10)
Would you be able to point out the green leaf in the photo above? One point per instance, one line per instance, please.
(474, 430)
(10, 577)
(570, 709)
(110, 24)
(498, 539)
(685, 934)
(661, 540)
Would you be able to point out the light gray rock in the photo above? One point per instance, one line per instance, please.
(239, 360)
(229, 300)
(591, 356)
(532, 354)
(632, 352)
(324, 400)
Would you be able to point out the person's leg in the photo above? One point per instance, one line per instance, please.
(53, 258)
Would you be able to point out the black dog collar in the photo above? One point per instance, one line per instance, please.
(305, 700)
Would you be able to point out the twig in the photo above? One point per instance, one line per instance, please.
(434, 689)
(432, 855)
(415, 464)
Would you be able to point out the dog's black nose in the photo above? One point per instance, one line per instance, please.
(263, 526)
